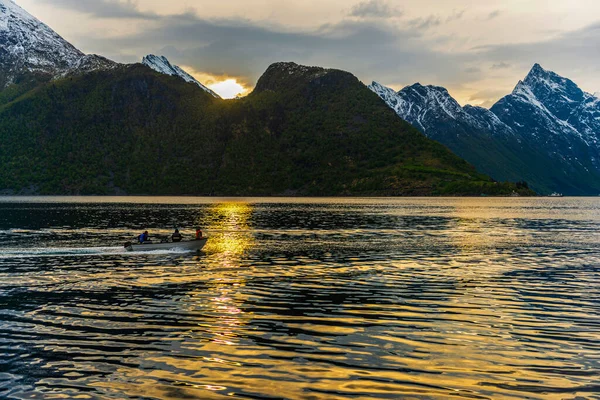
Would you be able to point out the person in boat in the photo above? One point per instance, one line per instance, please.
(176, 237)
(144, 237)
(198, 234)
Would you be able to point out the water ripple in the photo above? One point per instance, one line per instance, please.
(301, 299)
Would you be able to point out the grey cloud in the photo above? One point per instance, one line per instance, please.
(373, 49)
(494, 14)
(456, 15)
(571, 54)
(501, 65)
(425, 23)
(105, 8)
(369, 49)
(374, 9)
(431, 21)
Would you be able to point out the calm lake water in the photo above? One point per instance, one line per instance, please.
(301, 299)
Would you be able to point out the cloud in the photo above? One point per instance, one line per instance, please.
(236, 47)
(494, 14)
(487, 97)
(456, 15)
(364, 43)
(425, 23)
(374, 9)
(501, 65)
(431, 21)
(105, 8)
(569, 54)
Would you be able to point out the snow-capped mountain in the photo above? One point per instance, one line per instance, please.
(553, 114)
(547, 130)
(28, 45)
(161, 64)
(90, 63)
(543, 104)
(426, 107)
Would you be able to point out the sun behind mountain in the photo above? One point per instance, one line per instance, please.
(229, 88)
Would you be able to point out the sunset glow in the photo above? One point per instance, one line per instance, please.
(229, 89)
(476, 50)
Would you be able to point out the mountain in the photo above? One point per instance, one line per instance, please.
(545, 132)
(430, 108)
(553, 115)
(473, 133)
(303, 131)
(72, 123)
(26, 44)
(29, 47)
(162, 65)
(324, 127)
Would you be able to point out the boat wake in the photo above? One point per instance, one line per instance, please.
(40, 252)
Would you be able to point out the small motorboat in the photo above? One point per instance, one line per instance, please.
(190, 245)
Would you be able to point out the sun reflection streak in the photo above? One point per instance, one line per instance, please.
(230, 238)
(229, 230)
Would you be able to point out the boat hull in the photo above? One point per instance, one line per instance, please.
(192, 245)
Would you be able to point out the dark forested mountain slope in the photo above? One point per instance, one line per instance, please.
(72, 123)
(305, 131)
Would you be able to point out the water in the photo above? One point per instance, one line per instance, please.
(301, 299)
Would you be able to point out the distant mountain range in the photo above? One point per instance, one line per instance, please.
(546, 132)
(72, 123)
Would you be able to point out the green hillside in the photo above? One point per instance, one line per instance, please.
(304, 131)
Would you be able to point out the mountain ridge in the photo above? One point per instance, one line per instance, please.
(92, 126)
(30, 47)
(27, 44)
(163, 65)
(131, 130)
(547, 127)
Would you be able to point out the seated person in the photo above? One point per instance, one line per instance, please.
(198, 234)
(144, 237)
(176, 236)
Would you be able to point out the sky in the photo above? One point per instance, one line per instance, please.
(477, 49)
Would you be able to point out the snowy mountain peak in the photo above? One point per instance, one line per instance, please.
(537, 70)
(26, 39)
(433, 97)
(429, 89)
(9, 10)
(376, 85)
(28, 45)
(546, 131)
(162, 65)
(383, 91)
(540, 76)
(422, 105)
(559, 95)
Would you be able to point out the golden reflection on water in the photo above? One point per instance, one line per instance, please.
(471, 229)
(219, 320)
(472, 317)
(230, 237)
(228, 229)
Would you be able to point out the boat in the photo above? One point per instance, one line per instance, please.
(190, 245)
(555, 194)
